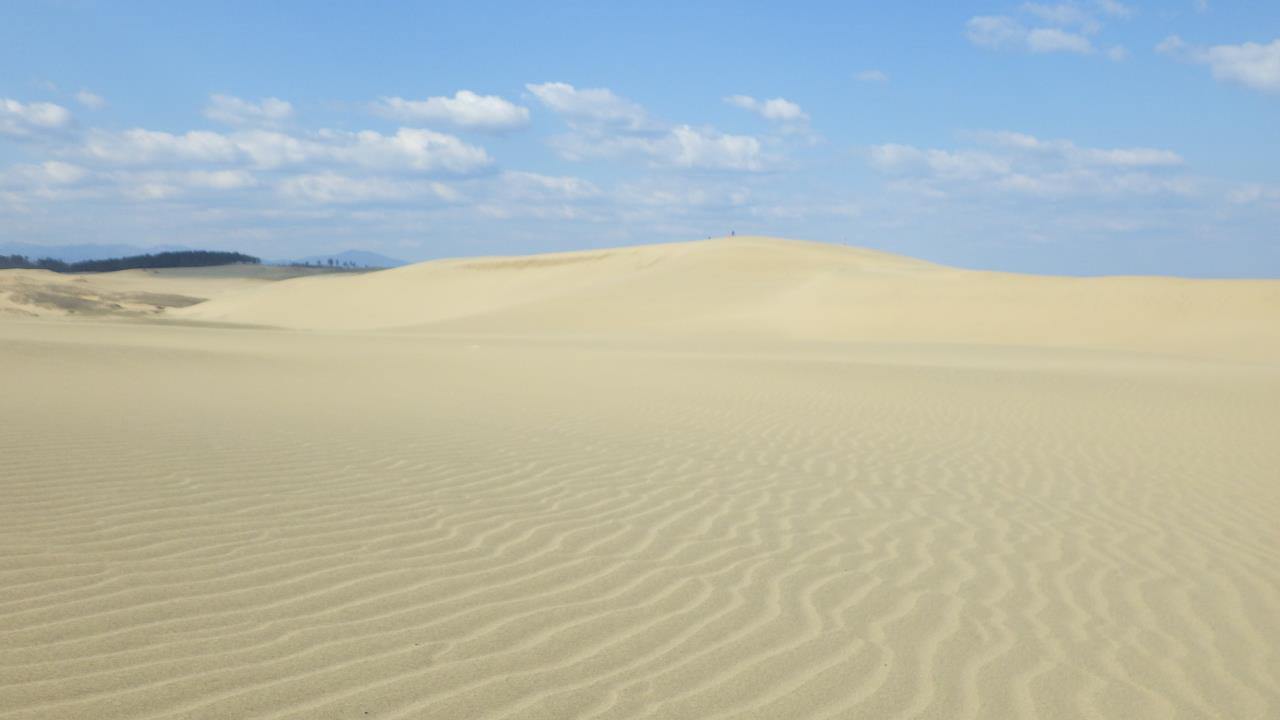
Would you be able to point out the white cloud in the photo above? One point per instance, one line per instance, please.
(693, 148)
(51, 172)
(516, 194)
(528, 185)
(1023, 164)
(150, 190)
(1074, 14)
(1171, 45)
(871, 76)
(1201, 5)
(1070, 152)
(335, 188)
(166, 184)
(1047, 40)
(1129, 157)
(61, 173)
(54, 179)
(408, 149)
(1057, 27)
(579, 146)
(465, 109)
(271, 149)
(412, 148)
(1115, 9)
(1063, 15)
(777, 109)
(949, 165)
(605, 125)
(1250, 64)
(1005, 33)
(682, 146)
(1253, 193)
(995, 31)
(220, 179)
(91, 100)
(236, 112)
(141, 146)
(24, 120)
(598, 105)
(649, 199)
(51, 180)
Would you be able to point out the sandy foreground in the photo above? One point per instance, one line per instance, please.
(728, 479)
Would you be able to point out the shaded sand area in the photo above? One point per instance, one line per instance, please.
(690, 481)
(130, 293)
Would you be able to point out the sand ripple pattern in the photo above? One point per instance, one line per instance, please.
(311, 527)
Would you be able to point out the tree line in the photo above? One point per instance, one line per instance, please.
(331, 262)
(184, 258)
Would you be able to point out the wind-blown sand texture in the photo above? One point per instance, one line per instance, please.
(735, 479)
(129, 293)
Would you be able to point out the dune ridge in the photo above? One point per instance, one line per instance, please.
(765, 287)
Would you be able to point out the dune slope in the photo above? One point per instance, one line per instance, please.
(761, 287)
(234, 523)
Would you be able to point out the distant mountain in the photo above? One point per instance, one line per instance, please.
(80, 253)
(359, 258)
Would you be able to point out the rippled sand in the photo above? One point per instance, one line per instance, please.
(221, 522)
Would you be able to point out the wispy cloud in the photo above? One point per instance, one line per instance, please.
(775, 109)
(465, 110)
(1066, 27)
(594, 105)
(682, 146)
(999, 32)
(91, 100)
(1010, 162)
(606, 125)
(413, 149)
(234, 111)
(335, 188)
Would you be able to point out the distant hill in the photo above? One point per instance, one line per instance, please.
(356, 258)
(87, 251)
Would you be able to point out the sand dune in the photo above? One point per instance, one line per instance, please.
(663, 482)
(769, 288)
(128, 293)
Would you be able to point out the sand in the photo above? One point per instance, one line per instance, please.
(131, 293)
(765, 288)
(746, 478)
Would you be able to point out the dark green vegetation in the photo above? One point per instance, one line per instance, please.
(185, 258)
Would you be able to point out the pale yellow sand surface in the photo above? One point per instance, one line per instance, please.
(129, 293)
(582, 486)
(778, 289)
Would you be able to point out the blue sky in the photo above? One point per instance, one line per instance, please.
(1090, 137)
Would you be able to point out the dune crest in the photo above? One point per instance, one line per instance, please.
(756, 288)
